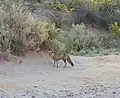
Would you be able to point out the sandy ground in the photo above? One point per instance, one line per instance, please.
(38, 73)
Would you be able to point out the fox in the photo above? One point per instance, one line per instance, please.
(39, 52)
(59, 56)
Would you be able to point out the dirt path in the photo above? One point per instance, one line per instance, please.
(39, 72)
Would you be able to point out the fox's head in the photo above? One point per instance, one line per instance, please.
(38, 49)
(39, 52)
(50, 52)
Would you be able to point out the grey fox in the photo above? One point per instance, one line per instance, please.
(58, 56)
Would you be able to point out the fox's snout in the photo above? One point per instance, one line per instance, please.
(49, 53)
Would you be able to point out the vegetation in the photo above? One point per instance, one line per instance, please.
(108, 7)
(19, 31)
(62, 7)
(115, 29)
(80, 41)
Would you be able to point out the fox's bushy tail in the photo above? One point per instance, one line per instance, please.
(70, 61)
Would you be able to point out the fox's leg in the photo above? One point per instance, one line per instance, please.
(54, 63)
(57, 63)
(65, 63)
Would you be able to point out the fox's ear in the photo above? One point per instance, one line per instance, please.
(49, 50)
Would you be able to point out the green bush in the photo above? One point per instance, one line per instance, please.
(62, 7)
(115, 29)
(74, 3)
(79, 41)
(108, 7)
(19, 29)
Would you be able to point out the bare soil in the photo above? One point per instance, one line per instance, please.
(38, 72)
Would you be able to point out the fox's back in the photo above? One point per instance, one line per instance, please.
(57, 56)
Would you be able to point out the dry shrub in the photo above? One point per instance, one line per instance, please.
(19, 29)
